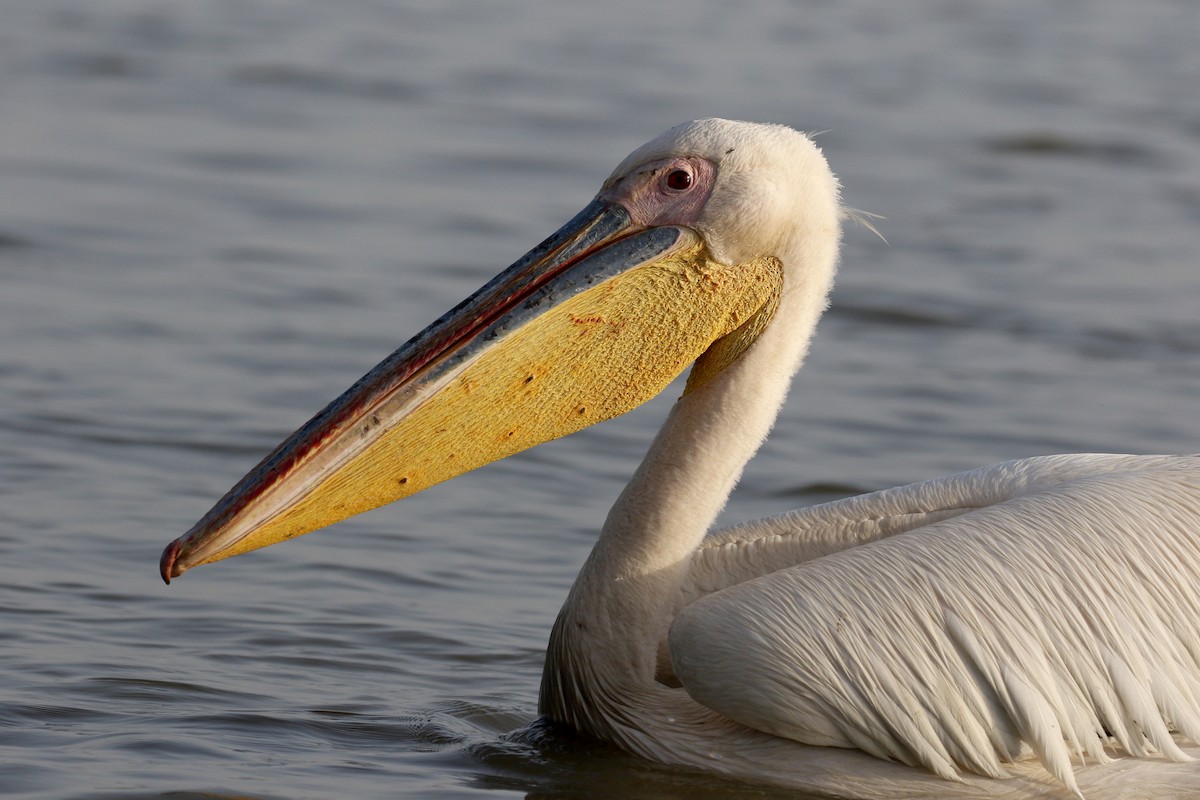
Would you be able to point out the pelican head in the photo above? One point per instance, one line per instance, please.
(682, 257)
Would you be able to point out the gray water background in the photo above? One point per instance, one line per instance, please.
(216, 215)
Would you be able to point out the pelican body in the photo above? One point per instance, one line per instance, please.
(1026, 629)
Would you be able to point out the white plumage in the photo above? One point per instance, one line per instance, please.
(1030, 618)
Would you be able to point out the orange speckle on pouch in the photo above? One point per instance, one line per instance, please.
(591, 319)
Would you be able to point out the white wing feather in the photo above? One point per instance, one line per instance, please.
(1047, 605)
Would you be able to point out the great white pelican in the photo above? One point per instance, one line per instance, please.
(1026, 629)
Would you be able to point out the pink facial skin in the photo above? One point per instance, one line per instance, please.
(671, 191)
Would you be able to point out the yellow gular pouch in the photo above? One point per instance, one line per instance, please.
(593, 357)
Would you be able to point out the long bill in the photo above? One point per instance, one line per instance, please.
(591, 323)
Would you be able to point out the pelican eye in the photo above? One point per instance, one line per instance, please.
(679, 180)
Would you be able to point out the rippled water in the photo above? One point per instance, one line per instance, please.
(215, 215)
